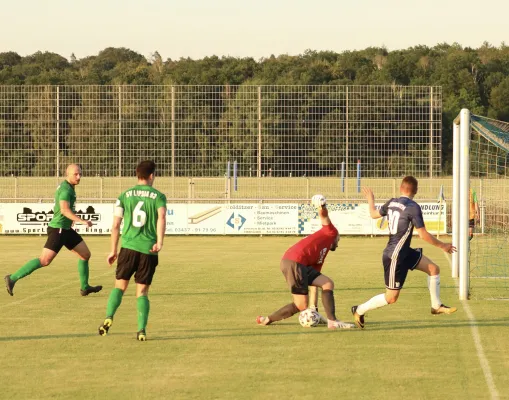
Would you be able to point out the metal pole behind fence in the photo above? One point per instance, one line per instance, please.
(259, 131)
(343, 177)
(57, 159)
(358, 176)
(173, 131)
(235, 175)
(480, 202)
(173, 141)
(120, 131)
(431, 133)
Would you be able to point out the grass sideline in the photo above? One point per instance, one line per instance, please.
(204, 343)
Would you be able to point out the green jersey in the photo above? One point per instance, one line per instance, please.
(139, 206)
(65, 191)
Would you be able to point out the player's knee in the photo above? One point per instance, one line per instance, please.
(392, 297)
(434, 269)
(86, 255)
(329, 285)
(45, 261)
(301, 304)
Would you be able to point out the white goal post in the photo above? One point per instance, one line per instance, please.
(460, 201)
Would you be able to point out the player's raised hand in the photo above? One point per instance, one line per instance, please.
(448, 248)
(318, 201)
(368, 193)
(111, 258)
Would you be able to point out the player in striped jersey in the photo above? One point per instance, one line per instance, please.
(403, 215)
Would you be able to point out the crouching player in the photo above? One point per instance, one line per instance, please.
(301, 266)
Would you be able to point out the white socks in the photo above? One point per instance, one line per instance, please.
(372, 304)
(434, 290)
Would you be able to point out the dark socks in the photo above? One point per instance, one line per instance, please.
(328, 304)
(284, 312)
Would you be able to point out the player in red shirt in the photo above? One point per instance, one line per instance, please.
(301, 266)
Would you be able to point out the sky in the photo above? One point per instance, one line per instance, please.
(245, 28)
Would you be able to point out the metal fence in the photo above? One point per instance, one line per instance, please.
(192, 132)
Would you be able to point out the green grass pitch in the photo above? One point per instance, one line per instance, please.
(203, 342)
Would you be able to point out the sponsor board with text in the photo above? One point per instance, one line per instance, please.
(219, 219)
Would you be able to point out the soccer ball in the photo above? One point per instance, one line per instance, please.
(309, 318)
(318, 200)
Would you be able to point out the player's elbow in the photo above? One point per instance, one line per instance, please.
(423, 234)
(67, 213)
(116, 225)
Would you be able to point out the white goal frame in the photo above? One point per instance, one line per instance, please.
(460, 200)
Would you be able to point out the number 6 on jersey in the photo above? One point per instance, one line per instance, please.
(139, 216)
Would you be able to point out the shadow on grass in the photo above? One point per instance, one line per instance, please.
(59, 336)
(374, 327)
(211, 293)
(273, 330)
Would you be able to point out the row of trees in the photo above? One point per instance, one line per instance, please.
(473, 78)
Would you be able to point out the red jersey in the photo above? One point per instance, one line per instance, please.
(312, 250)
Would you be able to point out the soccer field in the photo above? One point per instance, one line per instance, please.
(203, 342)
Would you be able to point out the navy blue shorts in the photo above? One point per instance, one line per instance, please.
(396, 269)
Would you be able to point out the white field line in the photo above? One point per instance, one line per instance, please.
(478, 345)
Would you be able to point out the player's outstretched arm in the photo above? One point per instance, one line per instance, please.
(370, 197)
(161, 229)
(320, 203)
(66, 211)
(428, 238)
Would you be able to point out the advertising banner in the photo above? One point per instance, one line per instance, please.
(434, 215)
(354, 219)
(181, 219)
(33, 218)
(220, 219)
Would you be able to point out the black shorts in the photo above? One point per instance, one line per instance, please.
(58, 237)
(143, 266)
(298, 276)
(396, 270)
(471, 223)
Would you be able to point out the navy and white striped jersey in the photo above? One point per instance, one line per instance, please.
(403, 214)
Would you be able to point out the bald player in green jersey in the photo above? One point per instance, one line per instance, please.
(60, 233)
(143, 210)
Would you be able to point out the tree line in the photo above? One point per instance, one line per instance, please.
(474, 78)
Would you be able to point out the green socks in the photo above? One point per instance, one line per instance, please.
(26, 269)
(83, 272)
(143, 306)
(143, 309)
(114, 302)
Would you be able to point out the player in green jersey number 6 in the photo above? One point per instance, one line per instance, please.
(143, 210)
(60, 233)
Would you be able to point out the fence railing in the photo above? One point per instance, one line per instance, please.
(278, 131)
